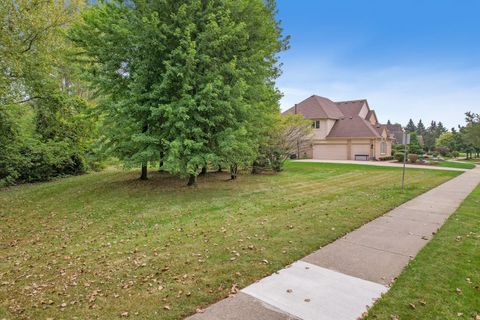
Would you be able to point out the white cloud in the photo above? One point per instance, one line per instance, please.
(397, 93)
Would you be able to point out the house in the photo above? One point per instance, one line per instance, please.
(346, 130)
(396, 131)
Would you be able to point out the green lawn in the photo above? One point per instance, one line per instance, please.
(103, 244)
(475, 160)
(443, 281)
(453, 164)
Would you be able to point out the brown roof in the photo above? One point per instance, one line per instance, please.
(316, 107)
(380, 128)
(394, 127)
(352, 125)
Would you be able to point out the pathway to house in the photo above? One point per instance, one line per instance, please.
(384, 164)
(340, 280)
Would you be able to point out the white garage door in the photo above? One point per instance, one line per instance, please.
(360, 149)
(330, 152)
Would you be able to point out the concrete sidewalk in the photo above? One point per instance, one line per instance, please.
(383, 164)
(340, 280)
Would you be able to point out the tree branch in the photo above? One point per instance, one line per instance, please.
(29, 99)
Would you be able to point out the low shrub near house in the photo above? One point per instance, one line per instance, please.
(398, 148)
(399, 156)
(386, 158)
(413, 158)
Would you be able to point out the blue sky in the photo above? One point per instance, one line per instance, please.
(409, 58)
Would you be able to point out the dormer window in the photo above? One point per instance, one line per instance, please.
(316, 124)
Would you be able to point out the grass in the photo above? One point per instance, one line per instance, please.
(453, 164)
(474, 160)
(443, 281)
(105, 244)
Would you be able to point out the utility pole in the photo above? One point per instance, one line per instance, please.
(406, 142)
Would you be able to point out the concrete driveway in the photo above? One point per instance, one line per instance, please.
(383, 164)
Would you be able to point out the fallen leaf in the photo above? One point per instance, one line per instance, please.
(234, 289)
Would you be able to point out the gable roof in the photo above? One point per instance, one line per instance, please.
(316, 107)
(352, 124)
(394, 127)
(353, 127)
(396, 131)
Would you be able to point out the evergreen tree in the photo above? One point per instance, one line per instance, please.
(421, 129)
(430, 136)
(410, 126)
(440, 129)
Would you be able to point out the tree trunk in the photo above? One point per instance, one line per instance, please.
(192, 180)
(219, 168)
(144, 172)
(204, 170)
(160, 162)
(254, 167)
(233, 171)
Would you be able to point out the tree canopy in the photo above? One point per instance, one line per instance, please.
(189, 82)
(44, 129)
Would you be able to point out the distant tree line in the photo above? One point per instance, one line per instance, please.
(182, 85)
(436, 138)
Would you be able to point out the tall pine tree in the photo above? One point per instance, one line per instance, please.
(421, 128)
(410, 126)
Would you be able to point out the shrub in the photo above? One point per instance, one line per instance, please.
(412, 157)
(398, 148)
(399, 156)
(442, 150)
(386, 158)
(455, 154)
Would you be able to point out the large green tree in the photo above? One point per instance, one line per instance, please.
(187, 81)
(471, 134)
(44, 129)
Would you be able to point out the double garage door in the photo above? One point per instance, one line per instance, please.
(330, 152)
(339, 151)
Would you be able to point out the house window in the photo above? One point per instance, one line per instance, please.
(316, 124)
(383, 147)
